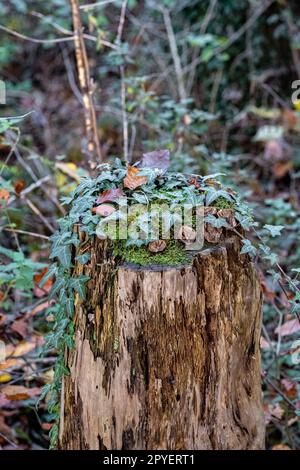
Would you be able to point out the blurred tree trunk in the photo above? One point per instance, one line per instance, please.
(166, 358)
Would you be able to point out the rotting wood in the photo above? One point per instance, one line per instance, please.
(166, 358)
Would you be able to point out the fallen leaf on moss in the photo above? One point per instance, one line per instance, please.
(212, 234)
(132, 180)
(110, 195)
(156, 246)
(225, 213)
(187, 234)
(210, 210)
(104, 210)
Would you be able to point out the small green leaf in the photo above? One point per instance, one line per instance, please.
(248, 248)
(274, 230)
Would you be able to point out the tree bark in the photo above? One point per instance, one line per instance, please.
(165, 357)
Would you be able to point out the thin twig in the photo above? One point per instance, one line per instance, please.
(175, 54)
(90, 37)
(123, 86)
(35, 178)
(8, 440)
(36, 211)
(11, 152)
(90, 6)
(70, 75)
(277, 389)
(37, 41)
(23, 232)
(93, 146)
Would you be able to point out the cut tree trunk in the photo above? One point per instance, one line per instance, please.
(165, 357)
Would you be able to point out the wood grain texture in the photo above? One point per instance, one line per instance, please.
(166, 358)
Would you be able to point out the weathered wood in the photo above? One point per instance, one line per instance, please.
(166, 358)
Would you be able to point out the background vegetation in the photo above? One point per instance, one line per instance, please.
(212, 82)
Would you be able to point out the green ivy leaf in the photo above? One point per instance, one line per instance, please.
(63, 253)
(248, 248)
(78, 284)
(274, 230)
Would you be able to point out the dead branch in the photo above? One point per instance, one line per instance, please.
(93, 152)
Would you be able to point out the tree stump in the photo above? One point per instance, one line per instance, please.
(166, 357)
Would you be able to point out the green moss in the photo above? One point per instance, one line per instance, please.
(174, 254)
(222, 203)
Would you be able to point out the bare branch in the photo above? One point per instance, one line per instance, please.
(93, 152)
(175, 54)
(123, 87)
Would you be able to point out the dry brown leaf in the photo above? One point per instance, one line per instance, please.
(18, 392)
(3, 319)
(110, 195)
(225, 213)
(288, 328)
(24, 347)
(273, 411)
(42, 291)
(5, 378)
(38, 309)
(273, 150)
(290, 388)
(289, 118)
(212, 234)
(132, 180)
(156, 246)
(10, 363)
(194, 182)
(4, 196)
(69, 169)
(104, 210)
(187, 234)
(269, 295)
(210, 210)
(281, 447)
(21, 327)
(156, 159)
(280, 169)
(19, 186)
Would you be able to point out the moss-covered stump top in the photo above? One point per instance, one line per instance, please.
(152, 216)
